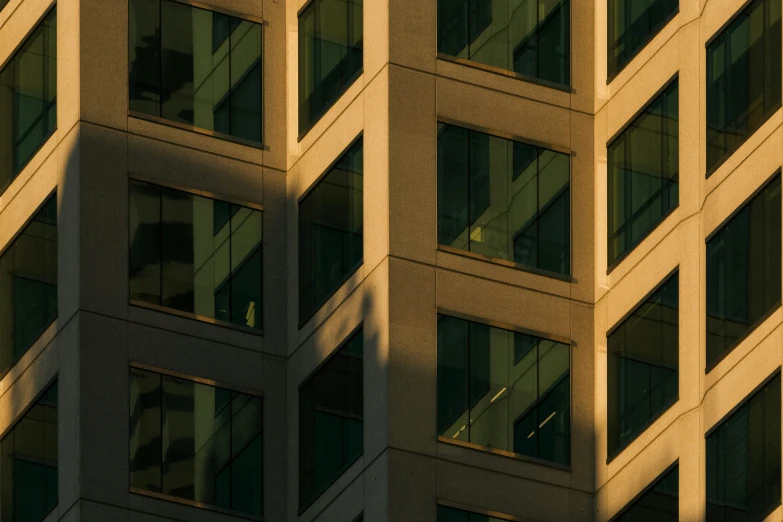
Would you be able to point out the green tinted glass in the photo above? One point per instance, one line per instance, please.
(450, 514)
(631, 24)
(659, 503)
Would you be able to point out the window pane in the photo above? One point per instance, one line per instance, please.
(28, 466)
(504, 199)
(743, 271)
(643, 368)
(196, 442)
(631, 25)
(504, 390)
(660, 503)
(144, 56)
(643, 169)
(531, 37)
(330, 232)
(28, 97)
(330, 55)
(743, 78)
(196, 254)
(28, 285)
(450, 514)
(331, 425)
(743, 459)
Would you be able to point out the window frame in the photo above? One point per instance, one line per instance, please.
(188, 315)
(505, 453)
(200, 130)
(478, 511)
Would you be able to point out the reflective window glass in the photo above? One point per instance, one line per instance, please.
(659, 503)
(743, 460)
(195, 67)
(331, 420)
(28, 463)
(330, 232)
(743, 78)
(643, 174)
(743, 271)
(529, 37)
(28, 285)
(504, 199)
(197, 255)
(196, 442)
(631, 24)
(643, 367)
(450, 514)
(504, 390)
(330, 55)
(28, 99)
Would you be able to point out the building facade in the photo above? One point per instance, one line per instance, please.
(416, 260)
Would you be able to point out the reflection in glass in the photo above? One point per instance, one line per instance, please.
(660, 503)
(643, 377)
(530, 37)
(28, 285)
(196, 442)
(631, 25)
(450, 514)
(504, 390)
(504, 199)
(330, 232)
(195, 67)
(330, 55)
(743, 271)
(331, 414)
(28, 463)
(195, 254)
(743, 460)
(28, 99)
(643, 168)
(743, 78)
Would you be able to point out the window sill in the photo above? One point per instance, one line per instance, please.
(751, 328)
(196, 317)
(614, 264)
(505, 72)
(509, 264)
(302, 509)
(504, 453)
(307, 128)
(616, 453)
(192, 503)
(320, 305)
(197, 130)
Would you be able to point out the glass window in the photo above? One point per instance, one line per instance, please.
(659, 503)
(197, 255)
(3, 3)
(196, 442)
(504, 199)
(643, 377)
(743, 78)
(450, 514)
(643, 168)
(743, 272)
(529, 37)
(28, 99)
(195, 67)
(631, 26)
(503, 390)
(28, 463)
(331, 420)
(28, 285)
(330, 55)
(330, 232)
(743, 460)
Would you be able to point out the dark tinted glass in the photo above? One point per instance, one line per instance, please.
(631, 25)
(660, 503)
(175, 76)
(450, 514)
(743, 78)
(28, 99)
(330, 55)
(195, 254)
(643, 365)
(196, 442)
(503, 390)
(743, 271)
(531, 37)
(28, 285)
(28, 463)
(3, 3)
(504, 199)
(331, 413)
(743, 460)
(330, 232)
(643, 167)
